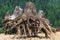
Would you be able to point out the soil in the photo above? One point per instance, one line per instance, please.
(53, 36)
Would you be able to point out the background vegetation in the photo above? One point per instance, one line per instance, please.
(50, 7)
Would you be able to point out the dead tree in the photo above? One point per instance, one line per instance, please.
(6, 18)
(31, 17)
(16, 14)
(12, 19)
(41, 14)
(28, 23)
(45, 24)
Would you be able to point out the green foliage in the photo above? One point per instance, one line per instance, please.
(50, 7)
(3, 31)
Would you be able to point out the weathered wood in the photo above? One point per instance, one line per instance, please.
(27, 22)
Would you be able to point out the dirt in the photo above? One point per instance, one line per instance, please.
(55, 36)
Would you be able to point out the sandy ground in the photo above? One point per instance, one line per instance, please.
(55, 36)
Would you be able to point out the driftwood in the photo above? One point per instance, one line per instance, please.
(45, 24)
(27, 22)
(11, 20)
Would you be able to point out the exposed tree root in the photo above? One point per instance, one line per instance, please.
(27, 22)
